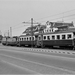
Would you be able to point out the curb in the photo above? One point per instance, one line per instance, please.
(52, 51)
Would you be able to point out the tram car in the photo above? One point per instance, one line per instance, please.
(12, 41)
(1, 38)
(4, 39)
(62, 36)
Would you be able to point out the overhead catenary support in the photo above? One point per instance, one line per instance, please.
(8, 33)
(32, 31)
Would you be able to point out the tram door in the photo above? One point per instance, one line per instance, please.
(39, 41)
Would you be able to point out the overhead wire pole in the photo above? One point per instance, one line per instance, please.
(31, 29)
(8, 33)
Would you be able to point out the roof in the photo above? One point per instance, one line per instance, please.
(60, 24)
(42, 27)
(35, 28)
(62, 31)
(65, 31)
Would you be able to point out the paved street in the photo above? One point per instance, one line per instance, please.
(18, 60)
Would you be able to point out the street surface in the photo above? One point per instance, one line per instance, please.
(35, 61)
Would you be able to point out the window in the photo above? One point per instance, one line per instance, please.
(39, 38)
(58, 37)
(69, 36)
(27, 38)
(22, 39)
(30, 38)
(44, 37)
(74, 33)
(50, 30)
(33, 38)
(48, 37)
(53, 37)
(63, 36)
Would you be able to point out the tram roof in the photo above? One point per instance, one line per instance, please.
(60, 24)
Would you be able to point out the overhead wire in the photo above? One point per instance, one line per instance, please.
(19, 25)
(16, 25)
(59, 18)
(56, 14)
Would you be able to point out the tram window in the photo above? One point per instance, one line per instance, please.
(44, 37)
(27, 38)
(74, 33)
(48, 37)
(69, 36)
(58, 37)
(63, 36)
(53, 37)
(50, 30)
(22, 39)
(39, 38)
(30, 38)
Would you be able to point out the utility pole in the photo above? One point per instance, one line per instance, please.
(8, 33)
(31, 29)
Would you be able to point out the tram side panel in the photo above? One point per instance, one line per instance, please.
(4, 40)
(24, 43)
(57, 42)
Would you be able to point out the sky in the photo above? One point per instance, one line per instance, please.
(14, 12)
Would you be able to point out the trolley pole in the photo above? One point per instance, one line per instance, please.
(32, 31)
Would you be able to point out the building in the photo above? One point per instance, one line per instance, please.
(57, 26)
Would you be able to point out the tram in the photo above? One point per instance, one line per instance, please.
(50, 35)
